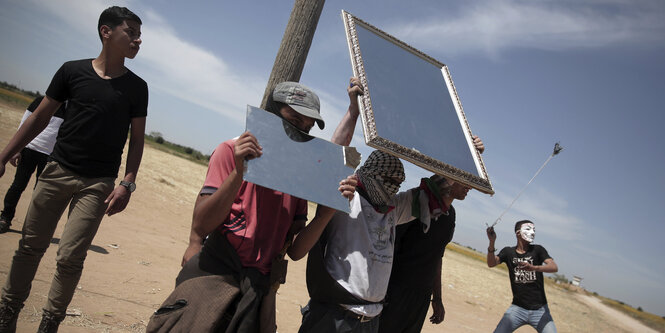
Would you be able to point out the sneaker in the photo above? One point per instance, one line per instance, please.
(5, 223)
(8, 317)
(50, 323)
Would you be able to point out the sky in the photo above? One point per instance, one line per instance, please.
(589, 74)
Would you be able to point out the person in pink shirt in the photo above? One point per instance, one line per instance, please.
(239, 228)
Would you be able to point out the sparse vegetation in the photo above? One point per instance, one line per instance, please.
(16, 95)
(470, 252)
(654, 321)
(22, 98)
(465, 250)
(560, 278)
(156, 140)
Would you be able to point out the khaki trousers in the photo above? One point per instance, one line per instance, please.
(57, 188)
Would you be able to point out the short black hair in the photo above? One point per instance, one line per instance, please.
(114, 16)
(518, 224)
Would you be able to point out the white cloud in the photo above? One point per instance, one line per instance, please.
(492, 27)
(194, 74)
(77, 14)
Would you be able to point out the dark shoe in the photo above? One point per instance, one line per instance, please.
(8, 317)
(50, 323)
(5, 224)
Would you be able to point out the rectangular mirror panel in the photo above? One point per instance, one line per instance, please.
(296, 163)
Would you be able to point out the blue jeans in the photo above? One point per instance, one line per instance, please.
(516, 316)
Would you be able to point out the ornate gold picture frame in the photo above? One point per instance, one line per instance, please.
(410, 107)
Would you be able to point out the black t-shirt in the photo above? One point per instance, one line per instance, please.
(417, 253)
(60, 113)
(99, 111)
(527, 286)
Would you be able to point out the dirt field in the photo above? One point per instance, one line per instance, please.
(136, 255)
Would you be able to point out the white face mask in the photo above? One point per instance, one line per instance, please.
(528, 232)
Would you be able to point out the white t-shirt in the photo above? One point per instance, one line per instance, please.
(360, 249)
(44, 141)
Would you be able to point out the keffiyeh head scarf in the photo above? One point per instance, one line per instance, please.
(381, 175)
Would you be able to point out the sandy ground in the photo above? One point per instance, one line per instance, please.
(624, 320)
(136, 255)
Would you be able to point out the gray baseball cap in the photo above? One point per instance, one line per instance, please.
(300, 98)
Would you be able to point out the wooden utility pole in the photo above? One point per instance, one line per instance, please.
(288, 66)
(293, 50)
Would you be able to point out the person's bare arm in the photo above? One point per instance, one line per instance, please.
(31, 127)
(343, 134)
(15, 160)
(548, 266)
(492, 259)
(119, 198)
(310, 234)
(210, 210)
(344, 131)
(438, 310)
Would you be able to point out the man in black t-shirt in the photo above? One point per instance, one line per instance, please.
(105, 102)
(416, 271)
(526, 263)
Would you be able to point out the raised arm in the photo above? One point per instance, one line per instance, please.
(344, 131)
(492, 259)
(211, 209)
(32, 126)
(343, 134)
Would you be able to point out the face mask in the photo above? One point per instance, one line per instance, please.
(528, 232)
(381, 175)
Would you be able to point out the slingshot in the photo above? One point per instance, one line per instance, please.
(557, 150)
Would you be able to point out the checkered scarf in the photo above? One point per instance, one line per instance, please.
(377, 176)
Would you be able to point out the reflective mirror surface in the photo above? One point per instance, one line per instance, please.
(306, 167)
(411, 108)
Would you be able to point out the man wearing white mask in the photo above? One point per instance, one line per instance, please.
(526, 264)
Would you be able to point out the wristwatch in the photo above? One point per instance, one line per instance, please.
(129, 185)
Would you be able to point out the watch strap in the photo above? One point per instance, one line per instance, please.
(129, 185)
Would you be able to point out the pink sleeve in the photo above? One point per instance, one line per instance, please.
(222, 162)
